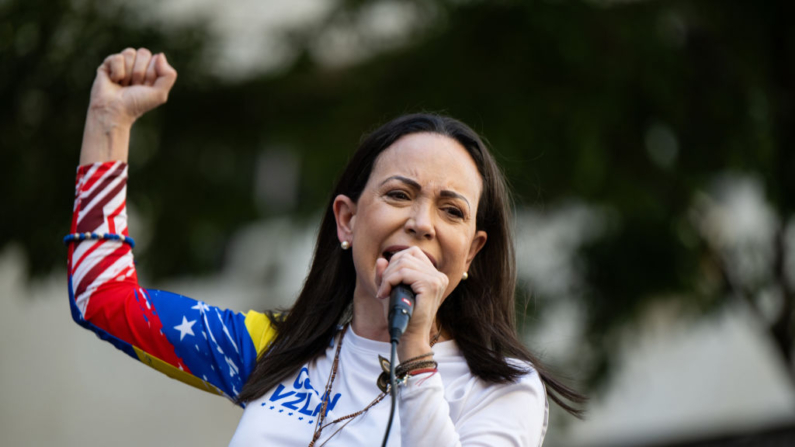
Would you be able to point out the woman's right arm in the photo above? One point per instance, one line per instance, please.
(209, 348)
(127, 85)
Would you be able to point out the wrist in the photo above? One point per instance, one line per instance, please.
(407, 349)
(106, 137)
(108, 117)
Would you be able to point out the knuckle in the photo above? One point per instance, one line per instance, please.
(144, 51)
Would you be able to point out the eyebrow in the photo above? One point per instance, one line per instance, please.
(444, 193)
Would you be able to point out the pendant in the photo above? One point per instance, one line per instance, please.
(383, 378)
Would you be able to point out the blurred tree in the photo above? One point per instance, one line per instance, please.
(634, 108)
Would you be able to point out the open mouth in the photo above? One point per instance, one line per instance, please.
(390, 251)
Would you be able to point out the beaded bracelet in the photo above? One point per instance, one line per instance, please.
(107, 236)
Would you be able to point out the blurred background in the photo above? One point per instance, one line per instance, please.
(650, 146)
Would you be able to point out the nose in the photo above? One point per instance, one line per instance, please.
(420, 223)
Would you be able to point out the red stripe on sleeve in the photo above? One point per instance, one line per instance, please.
(112, 217)
(100, 268)
(73, 269)
(96, 216)
(89, 182)
(108, 180)
(115, 309)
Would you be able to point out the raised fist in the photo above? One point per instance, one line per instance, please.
(129, 84)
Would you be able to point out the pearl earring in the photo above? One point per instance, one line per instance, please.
(465, 276)
(345, 245)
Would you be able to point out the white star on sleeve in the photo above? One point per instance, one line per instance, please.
(201, 307)
(185, 328)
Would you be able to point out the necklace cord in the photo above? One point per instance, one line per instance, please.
(410, 367)
(327, 394)
(392, 390)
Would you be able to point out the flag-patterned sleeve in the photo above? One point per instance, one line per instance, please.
(209, 348)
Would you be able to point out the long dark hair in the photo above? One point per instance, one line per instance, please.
(479, 314)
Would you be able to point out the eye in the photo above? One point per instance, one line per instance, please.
(398, 195)
(455, 212)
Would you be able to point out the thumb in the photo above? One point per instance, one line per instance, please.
(106, 75)
(103, 84)
(103, 73)
(166, 75)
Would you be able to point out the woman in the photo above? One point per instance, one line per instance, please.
(421, 203)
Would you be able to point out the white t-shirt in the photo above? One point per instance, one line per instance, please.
(449, 408)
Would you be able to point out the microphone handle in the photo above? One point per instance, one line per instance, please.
(401, 307)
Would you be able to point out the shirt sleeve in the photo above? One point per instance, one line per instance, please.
(499, 415)
(204, 346)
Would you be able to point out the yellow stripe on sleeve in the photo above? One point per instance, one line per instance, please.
(260, 330)
(176, 373)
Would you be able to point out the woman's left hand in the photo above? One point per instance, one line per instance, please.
(413, 268)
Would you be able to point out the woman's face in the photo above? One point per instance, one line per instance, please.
(423, 191)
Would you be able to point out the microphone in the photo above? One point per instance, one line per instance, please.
(401, 307)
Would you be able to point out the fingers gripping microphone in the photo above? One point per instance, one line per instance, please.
(401, 307)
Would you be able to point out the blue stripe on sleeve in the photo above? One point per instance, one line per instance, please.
(213, 343)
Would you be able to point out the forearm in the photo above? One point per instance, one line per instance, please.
(104, 139)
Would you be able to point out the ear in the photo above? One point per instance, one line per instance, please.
(477, 243)
(345, 215)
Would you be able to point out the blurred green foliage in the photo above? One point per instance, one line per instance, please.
(569, 94)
